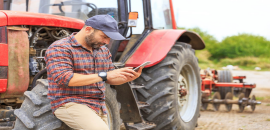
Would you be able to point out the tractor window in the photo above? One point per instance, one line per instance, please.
(137, 6)
(161, 14)
(18, 5)
(80, 9)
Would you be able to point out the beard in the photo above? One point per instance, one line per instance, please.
(91, 42)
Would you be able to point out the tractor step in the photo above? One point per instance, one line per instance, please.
(140, 126)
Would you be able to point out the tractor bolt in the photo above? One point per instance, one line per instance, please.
(183, 92)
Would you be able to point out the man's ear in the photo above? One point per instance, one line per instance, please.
(89, 29)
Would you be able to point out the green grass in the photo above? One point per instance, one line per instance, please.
(268, 104)
(266, 98)
(260, 98)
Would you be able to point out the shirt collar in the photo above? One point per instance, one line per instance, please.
(74, 42)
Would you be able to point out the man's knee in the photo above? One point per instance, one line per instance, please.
(78, 116)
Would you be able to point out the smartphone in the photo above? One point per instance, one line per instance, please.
(142, 65)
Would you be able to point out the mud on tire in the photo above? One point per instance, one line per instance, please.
(162, 82)
(35, 112)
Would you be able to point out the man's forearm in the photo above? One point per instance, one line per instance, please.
(116, 81)
(82, 80)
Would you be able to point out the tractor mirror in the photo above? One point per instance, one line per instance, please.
(132, 19)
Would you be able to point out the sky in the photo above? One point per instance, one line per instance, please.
(222, 18)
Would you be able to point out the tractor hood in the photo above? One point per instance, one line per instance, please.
(9, 18)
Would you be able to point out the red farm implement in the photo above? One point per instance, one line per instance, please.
(222, 85)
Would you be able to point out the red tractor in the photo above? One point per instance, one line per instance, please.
(156, 100)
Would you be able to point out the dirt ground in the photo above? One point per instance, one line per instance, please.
(247, 120)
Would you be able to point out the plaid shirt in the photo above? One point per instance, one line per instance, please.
(66, 57)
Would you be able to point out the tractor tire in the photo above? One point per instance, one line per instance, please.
(162, 82)
(225, 76)
(35, 112)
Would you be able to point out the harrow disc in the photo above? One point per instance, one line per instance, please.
(204, 104)
(229, 95)
(253, 105)
(216, 105)
(241, 104)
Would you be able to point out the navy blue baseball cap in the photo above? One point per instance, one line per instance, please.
(106, 24)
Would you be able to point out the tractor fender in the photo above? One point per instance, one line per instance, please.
(158, 43)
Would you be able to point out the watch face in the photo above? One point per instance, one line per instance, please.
(102, 73)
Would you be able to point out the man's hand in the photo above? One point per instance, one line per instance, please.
(123, 75)
(120, 73)
(136, 74)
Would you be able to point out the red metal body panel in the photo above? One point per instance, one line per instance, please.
(154, 47)
(173, 17)
(38, 19)
(3, 19)
(3, 55)
(3, 85)
(236, 85)
(207, 83)
(239, 77)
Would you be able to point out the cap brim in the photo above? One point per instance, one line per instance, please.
(115, 35)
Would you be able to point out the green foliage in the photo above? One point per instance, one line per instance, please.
(244, 50)
(242, 45)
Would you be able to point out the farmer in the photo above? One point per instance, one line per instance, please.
(78, 67)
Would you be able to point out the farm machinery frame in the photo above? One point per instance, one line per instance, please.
(221, 83)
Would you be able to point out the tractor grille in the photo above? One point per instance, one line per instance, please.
(3, 34)
(3, 72)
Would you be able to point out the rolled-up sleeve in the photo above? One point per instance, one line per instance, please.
(59, 65)
(111, 66)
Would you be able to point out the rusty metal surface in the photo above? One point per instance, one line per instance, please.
(129, 111)
(17, 28)
(18, 69)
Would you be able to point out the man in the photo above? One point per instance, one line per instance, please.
(78, 67)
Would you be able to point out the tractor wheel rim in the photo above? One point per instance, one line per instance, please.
(109, 117)
(187, 104)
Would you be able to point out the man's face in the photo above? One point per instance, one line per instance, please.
(96, 39)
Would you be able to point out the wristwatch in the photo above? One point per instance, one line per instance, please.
(103, 75)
